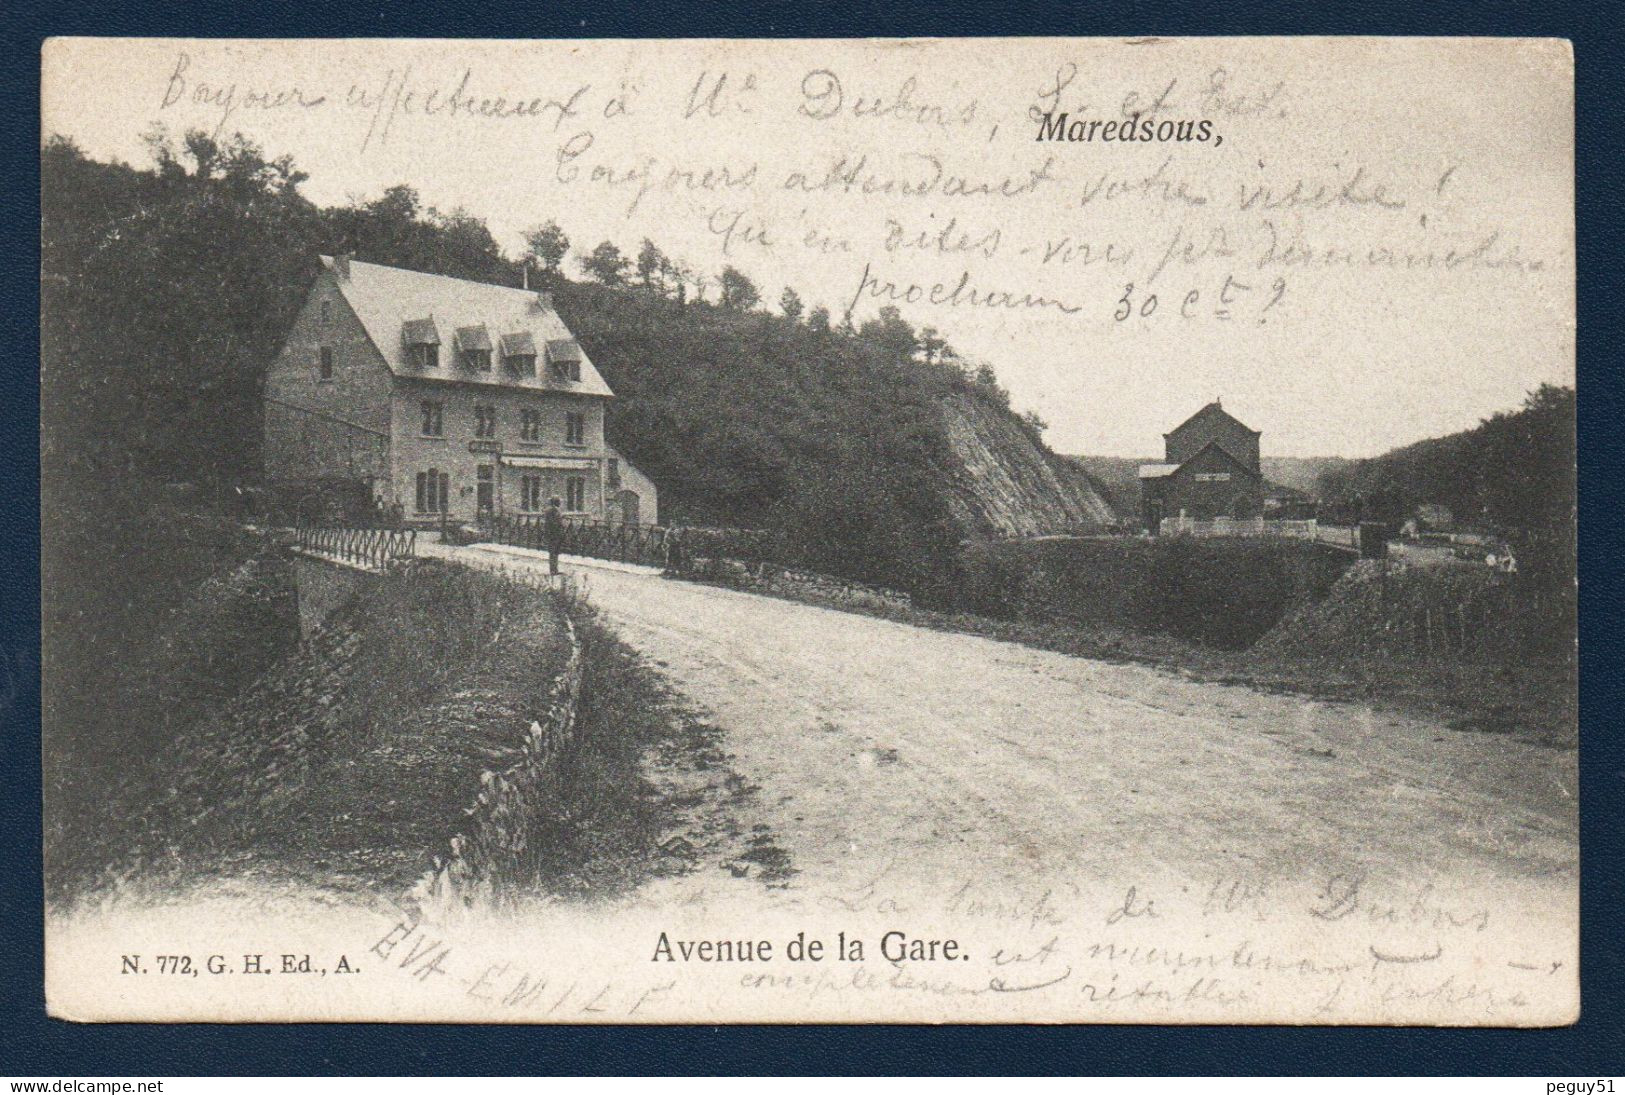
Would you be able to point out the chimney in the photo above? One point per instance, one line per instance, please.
(544, 301)
(341, 265)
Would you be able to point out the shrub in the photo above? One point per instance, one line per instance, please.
(1223, 592)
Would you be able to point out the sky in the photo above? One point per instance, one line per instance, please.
(1374, 245)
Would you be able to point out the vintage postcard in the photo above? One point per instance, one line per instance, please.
(977, 530)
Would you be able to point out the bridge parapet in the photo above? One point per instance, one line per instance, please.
(374, 548)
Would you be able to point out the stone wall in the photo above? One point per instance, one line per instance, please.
(482, 861)
(825, 589)
(773, 579)
(334, 427)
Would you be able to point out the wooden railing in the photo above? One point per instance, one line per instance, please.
(647, 544)
(374, 547)
(676, 549)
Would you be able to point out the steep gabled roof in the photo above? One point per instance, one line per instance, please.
(1209, 411)
(393, 304)
(1222, 451)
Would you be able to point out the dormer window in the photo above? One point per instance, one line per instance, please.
(519, 353)
(474, 347)
(564, 359)
(422, 341)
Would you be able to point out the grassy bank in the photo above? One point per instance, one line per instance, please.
(343, 762)
(1221, 592)
(155, 612)
(347, 763)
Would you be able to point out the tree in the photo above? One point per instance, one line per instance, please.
(398, 203)
(985, 380)
(933, 346)
(1512, 474)
(687, 277)
(606, 264)
(678, 274)
(651, 264)
(396, 230)
(818, 319)
(892, 331)
(738, 293)
(164, 294)
(790, 304)
(547, 245)
(462, 246)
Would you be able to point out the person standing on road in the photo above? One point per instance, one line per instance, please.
(553, 533)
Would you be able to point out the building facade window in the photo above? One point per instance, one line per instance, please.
(485, 490)
(530, 493)
(433, 418)
(485, 420)
(564, 357)
(530, 424)
(326, 363)
(575, 428)
(614, 472)
(474, 347)
(575, 494)
(523, 364)
(434, 491)
(327, 310)
(426, 356)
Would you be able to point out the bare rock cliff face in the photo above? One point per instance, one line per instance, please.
(1010, 485)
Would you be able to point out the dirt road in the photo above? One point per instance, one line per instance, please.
(884, 746)
(1012, 834)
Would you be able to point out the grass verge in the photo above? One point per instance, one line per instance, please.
(644, 790)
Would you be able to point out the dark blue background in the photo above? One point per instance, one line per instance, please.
(32, 1045)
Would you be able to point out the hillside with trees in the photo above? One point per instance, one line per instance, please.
(1512, 475)
(1301, 473)
(167, 290)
